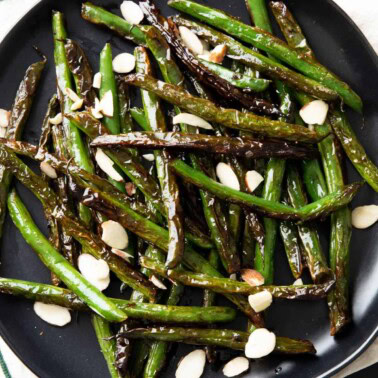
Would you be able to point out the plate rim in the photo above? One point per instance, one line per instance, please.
(330, 372)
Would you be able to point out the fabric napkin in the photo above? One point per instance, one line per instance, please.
(363, 12)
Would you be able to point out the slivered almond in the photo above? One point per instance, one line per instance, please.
(192, 120)
(97, 79)
(96, 111)
(114, 235)
(149, 157)
(107, 165)
(191, 41)
(3, 132)
(122, 254)
(227, 176)
(218, 53)
(106, 105)
(260, 343)
(260, 301)
(192, 365)
(364, 216)
(72, 95)
(252, 277)
(52, 314)
(315, 112)
(157, 282)
(57, 120)
(47, 169)
(298, 282)
(77, 105)
(130, 189)
(252, 180)
(124, 63)
(4, 117)
(131, 12)
(236, 366)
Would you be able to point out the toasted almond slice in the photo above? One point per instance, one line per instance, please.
(260, 301)
(77, 105)
(106, 104)
(57, 120)
(97, 79)
(298, 282)
(315, 112)
(252, 277)
(364, 216)
(192, 365)
(71, 94)
(157, 282)
(130, 189)
(218, 53)
(204, 56)
(122, 254)
(149, 157)
(3, 132)
(252, 180)
(124, 63)
(192, 120)
(236, 366)
(227, 176)
(191, 41)
(233, 277)
(132, 12)
(52, 314)
(92, 268)
(47, 169)
(260, 343)
(102, 283)
(114, 235)
(107, 165)
(168, 55)
(4, 117)
(96, 111)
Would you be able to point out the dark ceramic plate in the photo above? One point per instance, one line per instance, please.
(73, 351)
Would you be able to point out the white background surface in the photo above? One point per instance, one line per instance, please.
(363, 12)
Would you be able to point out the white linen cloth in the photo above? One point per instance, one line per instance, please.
(363, 12)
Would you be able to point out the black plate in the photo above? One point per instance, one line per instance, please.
(73, 350)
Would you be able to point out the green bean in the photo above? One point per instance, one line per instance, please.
(168, 184)
(273, 209)
(238, 80)
(241, 146)
(107, 343)
(259, 62)
(272, 45)
(228, 117)
(135, 310)
(139, 117)
(259, 14)
(313, 179)
(57, 263)
(217, 337)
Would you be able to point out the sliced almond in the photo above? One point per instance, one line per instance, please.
(57, 120)
(260, 301)
(157, 282)
(218, 53)
(236, 366)
(192, 120)
(168, 55)
(261, 342)
(227, 176)
(77, 105)
(90, 267)
(106, 105)
(233, 277)
(252, 180)
(252, 277)
(130, 189)
(315, 112)
(364, 216)
(71, 94)
(96, 111)
(191, 41)
(149, 157)
(97, 79)
(131, 12)
(48, 170)
(204, 56)
(122, 254)
(192, 365)
(114, 235)
(107, 165)
(298, 282)
(3, 132)
(52, 314)
(123, 63)
(4, 117)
